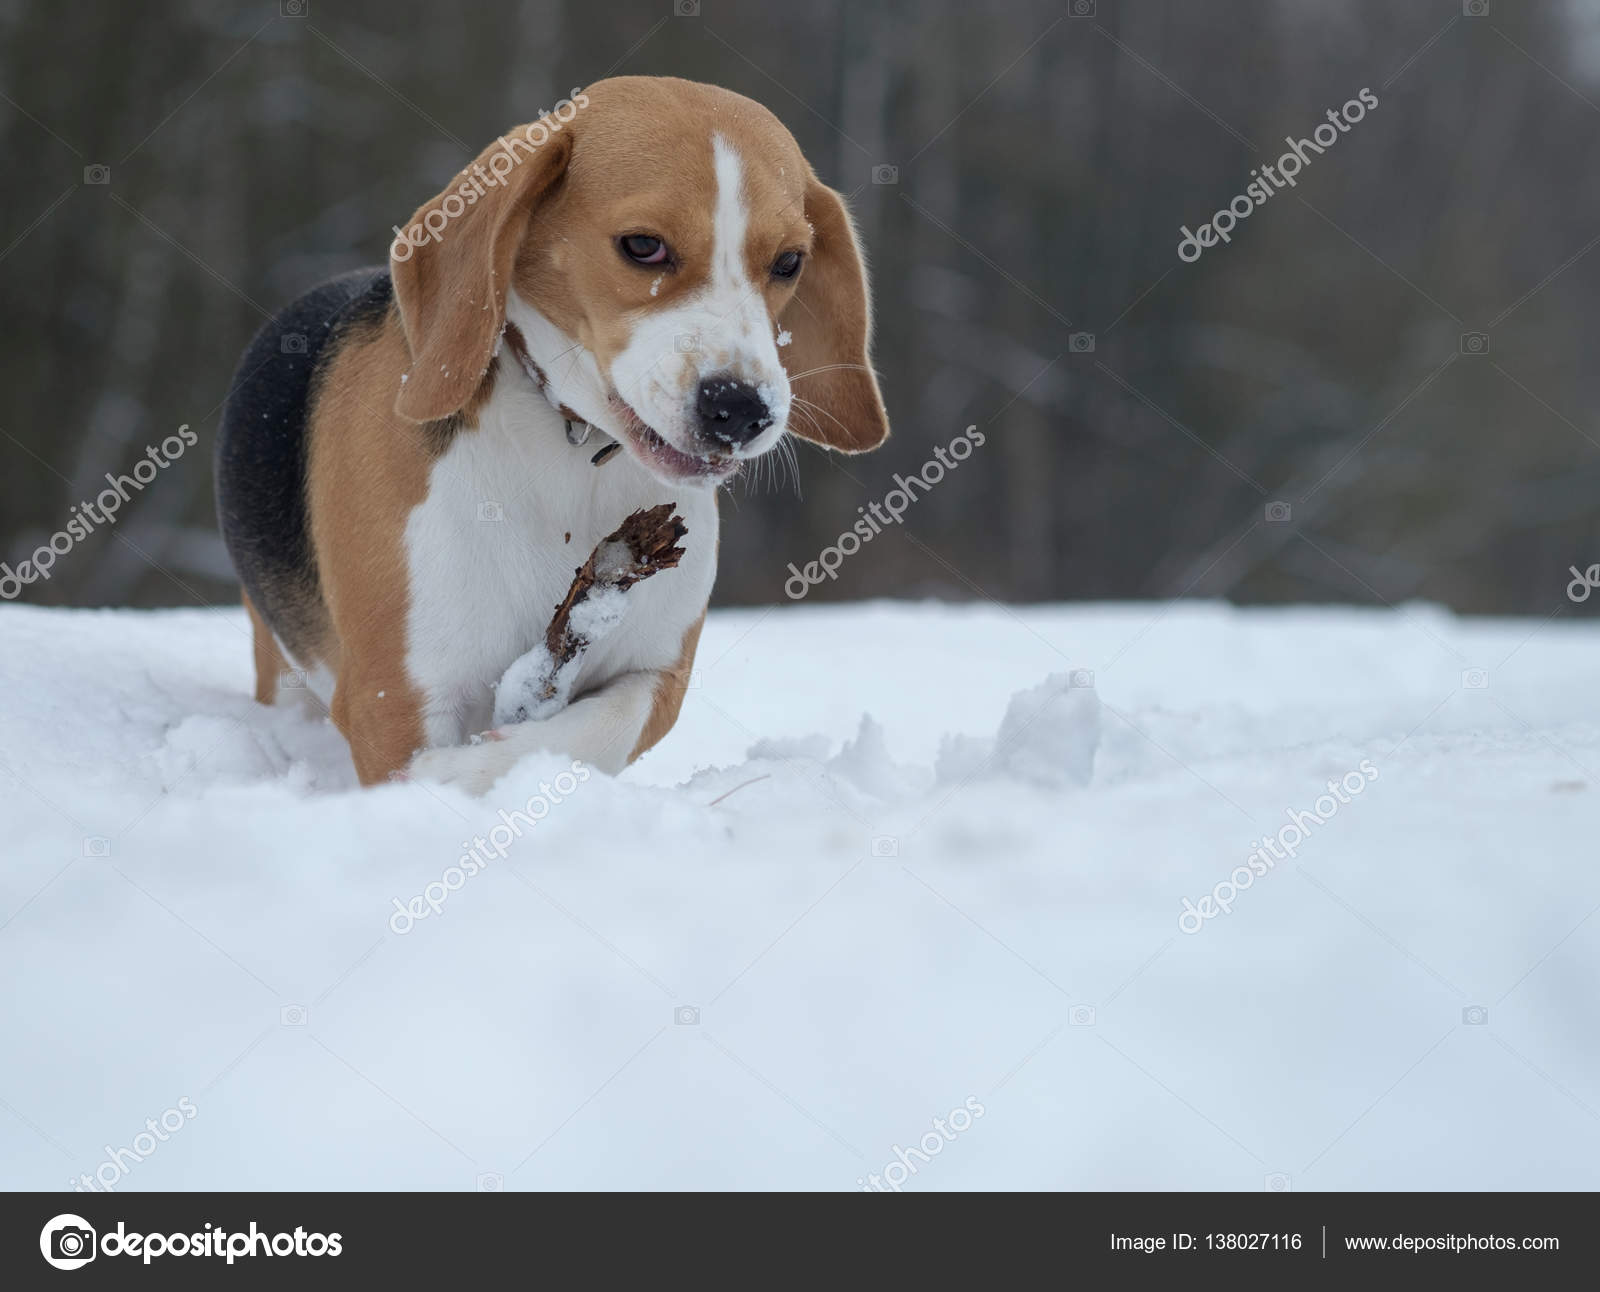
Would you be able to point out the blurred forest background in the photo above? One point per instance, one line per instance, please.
(175, 171)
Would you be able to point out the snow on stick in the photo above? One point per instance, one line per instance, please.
(538, 684)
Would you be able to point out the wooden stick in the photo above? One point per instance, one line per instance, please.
(639, 547)
(537, 684)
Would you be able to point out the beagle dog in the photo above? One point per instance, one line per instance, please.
(611, 308)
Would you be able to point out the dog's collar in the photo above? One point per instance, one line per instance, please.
(578, 430)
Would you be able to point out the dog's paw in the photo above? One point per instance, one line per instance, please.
(472, 769)
(529, 691)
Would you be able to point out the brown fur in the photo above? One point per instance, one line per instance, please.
(452, 294)
(830, 323)
(270, 663)
(368, 470)
(480, 397)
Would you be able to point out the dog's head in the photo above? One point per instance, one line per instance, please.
(679, 276)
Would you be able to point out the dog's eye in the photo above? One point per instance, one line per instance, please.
(787, 265)
(643, 249)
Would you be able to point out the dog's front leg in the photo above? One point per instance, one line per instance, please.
(602, 730)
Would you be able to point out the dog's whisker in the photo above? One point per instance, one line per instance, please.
(792, 462)
(805, 417)
(828, 367)
(806, 403)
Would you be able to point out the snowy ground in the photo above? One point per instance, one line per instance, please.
(196, 917)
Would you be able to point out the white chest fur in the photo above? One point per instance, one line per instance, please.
(512, 510)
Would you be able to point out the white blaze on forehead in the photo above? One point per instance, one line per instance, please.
(748, 333)
(730, 220)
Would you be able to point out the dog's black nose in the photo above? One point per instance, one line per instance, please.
(731, 412)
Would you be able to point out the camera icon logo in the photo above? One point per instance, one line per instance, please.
(67, 1242)
(1081, 343)
(1474, 343)
(1081, 677)
(292, 679)
(686, 1016)
(1279, 513)
(885, 845)
(1277, 1182)
(292, 343)
(293, 1016)
(1081, 1016)
(1475, 8)
(885, 174)
(686, 342)
(1081, 9)
(1475, 1015)
(96, 845)
(1475, 679)
(491, 512)
(491, 1182)
(294, 8)
(97, 174)
(686, 8)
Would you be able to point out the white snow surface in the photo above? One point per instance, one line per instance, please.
(893, 858)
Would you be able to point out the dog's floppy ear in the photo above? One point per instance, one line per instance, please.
(452, 273)
(829, 322)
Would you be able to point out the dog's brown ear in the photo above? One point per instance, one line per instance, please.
(452, 272)
(829, 321)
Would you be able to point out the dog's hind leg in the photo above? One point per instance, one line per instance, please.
(270, 663)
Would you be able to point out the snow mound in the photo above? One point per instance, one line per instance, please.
(217, 749)
(1048, 738)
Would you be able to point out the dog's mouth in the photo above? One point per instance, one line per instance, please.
(665, 461)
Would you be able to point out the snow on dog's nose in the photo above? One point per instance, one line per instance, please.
(732, 412)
